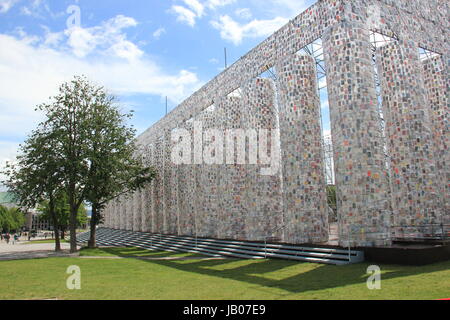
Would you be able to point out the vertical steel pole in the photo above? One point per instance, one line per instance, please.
(265, 248)
(349, 254)
(225, 52)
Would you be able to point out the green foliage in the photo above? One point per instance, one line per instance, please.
(113, 167)
(62, 211)
(83, 149)
(331, 195)
(35, 175)
(18, 219)
(11, 219)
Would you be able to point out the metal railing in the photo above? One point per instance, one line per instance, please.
(271, 237)
(432, 231)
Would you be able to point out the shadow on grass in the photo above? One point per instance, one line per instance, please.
(307, 278)
(281, 274)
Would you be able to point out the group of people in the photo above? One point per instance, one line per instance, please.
(15, 237)
(10, 238)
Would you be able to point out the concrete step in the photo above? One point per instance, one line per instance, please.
(229, 248)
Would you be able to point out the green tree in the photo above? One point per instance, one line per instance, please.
(11, 219)
(36, 175)
(83, 149)
(68, 118)
(18, 218)
(5, 219)
(114, 168)
(94, 147)
(331, 195)
(61, 209)
(2, 217)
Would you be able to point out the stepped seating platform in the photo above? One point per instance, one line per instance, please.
(223, 248)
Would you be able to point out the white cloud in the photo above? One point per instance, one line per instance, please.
(8, 152)
(108, 36)
(271, 15)
(196, 9)
(26, 11)
(125, 49)
(229, 29)
(195, 6)
(39, 9)
(283, 8)
(81, 41)
(5, 5)
(158, 33)
(213, 4)
(20, 32)
(293, 5)
(32, 69)
(244, 13)
(184, 15)
(30, 73)
(52, 39)
(32, 8)
(235, 32)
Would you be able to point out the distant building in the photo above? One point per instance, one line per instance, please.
(32, 217)
(7, 200)
(37, 223)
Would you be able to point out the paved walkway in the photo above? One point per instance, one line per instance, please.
(23, 250)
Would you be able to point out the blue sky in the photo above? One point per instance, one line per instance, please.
(141, 50)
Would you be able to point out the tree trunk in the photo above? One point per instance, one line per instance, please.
(93, 224)
(73, 229)
(55, 224)
(72, 218)
(57, 240)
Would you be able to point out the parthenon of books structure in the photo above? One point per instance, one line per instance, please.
(386, 65)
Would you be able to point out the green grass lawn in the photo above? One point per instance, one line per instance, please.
(213, 279)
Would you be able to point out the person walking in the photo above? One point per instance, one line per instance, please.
(7, 236)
